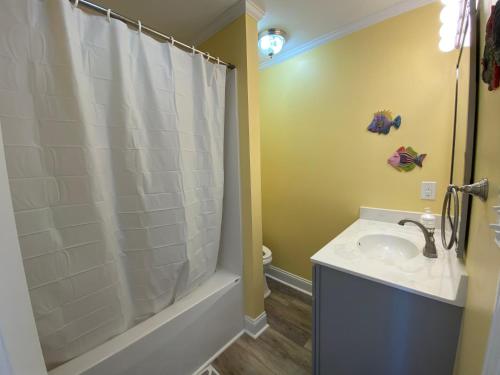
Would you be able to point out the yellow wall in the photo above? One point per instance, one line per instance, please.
(483, 256)
(237, 43)
(320, 164)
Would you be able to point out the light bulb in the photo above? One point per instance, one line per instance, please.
(448, 31)
(447, 44)
(271, 41)
(265, 43)
(450, 13)
(449, 16)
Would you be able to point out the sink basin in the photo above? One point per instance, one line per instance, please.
(389, 254)
(387, 248)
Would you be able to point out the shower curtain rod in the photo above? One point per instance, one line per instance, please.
(140, 27)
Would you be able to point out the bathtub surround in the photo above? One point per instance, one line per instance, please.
(84, 129)
(17, 325)
(147, 347)
(237, 43)
(192, 329)
(320, 164)
(113, 224)
(483, 255)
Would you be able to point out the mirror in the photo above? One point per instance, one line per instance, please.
(464, 127)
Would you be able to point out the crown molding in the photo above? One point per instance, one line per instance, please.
(360, 24)
(253, 10)
(228, 16)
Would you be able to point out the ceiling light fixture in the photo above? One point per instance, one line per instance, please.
(271, 41)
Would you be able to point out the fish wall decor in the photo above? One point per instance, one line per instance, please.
(405, 159)
(382, 122)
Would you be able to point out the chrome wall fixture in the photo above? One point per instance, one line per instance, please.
(451, 217)
(479, 189)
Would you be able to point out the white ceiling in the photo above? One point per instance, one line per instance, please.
(305, 21)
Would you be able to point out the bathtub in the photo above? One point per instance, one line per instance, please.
(180, 340)
(185, 337)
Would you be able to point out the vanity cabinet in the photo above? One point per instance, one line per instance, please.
(363, 327)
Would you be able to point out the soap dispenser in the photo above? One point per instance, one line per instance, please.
(428, 219)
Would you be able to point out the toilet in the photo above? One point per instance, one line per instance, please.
(267, 257)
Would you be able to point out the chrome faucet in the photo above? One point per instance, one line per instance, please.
(430, 245)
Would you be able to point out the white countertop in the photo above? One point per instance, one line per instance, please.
(443, 279)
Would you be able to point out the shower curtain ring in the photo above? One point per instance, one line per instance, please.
(139, 26)
(194, 50)
(75, 4)
(108, 15)
(218, 60)
(173, 41)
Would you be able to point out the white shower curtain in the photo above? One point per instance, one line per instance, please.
(114, 149)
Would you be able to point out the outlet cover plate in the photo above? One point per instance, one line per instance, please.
(428, 190)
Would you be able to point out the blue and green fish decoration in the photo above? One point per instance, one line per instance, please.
(382, 122)
(405, 159)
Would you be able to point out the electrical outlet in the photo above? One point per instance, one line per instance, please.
(428, 190)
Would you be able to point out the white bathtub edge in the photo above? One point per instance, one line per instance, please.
(219, 283)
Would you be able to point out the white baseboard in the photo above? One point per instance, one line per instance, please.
(289, 279)
(208, 363)
(255, 327)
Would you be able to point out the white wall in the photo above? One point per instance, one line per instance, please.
(231, 247)
(17, 326)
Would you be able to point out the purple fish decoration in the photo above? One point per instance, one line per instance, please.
(405, 159)
(382, 122)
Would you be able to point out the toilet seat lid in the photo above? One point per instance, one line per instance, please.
(266, 253)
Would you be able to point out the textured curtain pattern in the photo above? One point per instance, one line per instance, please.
(114, 149)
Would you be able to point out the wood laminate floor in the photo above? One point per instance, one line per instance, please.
(284, 348)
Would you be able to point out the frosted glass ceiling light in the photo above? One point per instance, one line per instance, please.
(271, 41)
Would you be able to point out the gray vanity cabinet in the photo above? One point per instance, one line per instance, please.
(362, 327)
